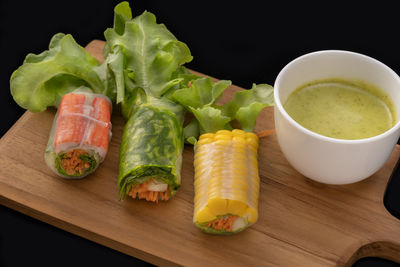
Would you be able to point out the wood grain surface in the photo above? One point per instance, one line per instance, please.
(301, 222)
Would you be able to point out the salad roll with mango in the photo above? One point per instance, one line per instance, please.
(226, 181)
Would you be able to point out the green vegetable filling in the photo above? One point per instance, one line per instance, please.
(207, 228)
(145, 173)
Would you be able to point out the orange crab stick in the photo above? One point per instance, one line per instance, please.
(70, 127)
(99, 129)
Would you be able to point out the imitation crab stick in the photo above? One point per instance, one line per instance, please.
(98, 133)
(80, 134)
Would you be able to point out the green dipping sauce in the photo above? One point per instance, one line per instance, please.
(343, 109)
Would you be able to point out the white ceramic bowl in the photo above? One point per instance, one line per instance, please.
(325, 159)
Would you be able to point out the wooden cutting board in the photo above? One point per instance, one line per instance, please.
(301, 222)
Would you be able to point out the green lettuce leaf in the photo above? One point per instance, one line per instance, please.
(211, 119)
(191, 131)
(247, 104)
(43, 79)
(200, 99)
(151, 54)
(132, 100)
(123, 14)
(114, 62)
(201, 93)
(185, 78)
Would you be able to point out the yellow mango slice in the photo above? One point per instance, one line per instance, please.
(251, 214)
(204, 215)
(236, 207)
(217, 205)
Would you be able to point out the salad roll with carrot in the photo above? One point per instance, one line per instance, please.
(80, 134)
(147, 60)
(69, 79)
(151, 154)
(226, 181)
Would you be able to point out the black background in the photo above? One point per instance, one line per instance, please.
(243, 41)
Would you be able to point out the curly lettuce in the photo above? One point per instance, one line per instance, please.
(247, 104)
(143, 54)
(43, 79)
(201, 97)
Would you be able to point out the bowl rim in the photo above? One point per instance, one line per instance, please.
(279, 106)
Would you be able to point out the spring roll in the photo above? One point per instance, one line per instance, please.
(80, 134)
(151, 154)
(226, 181)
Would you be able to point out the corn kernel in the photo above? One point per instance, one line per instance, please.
(223, 137)
(204, 141)
(251, 135)
(252, 142)
(207, 135)
(222, 143)
(224, 132)
(238, 132)
(239, 139)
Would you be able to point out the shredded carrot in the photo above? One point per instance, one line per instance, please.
(141, 191)
(265, 133)
(223, 223)
(72, 164)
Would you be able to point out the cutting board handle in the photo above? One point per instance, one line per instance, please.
(380, 249)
